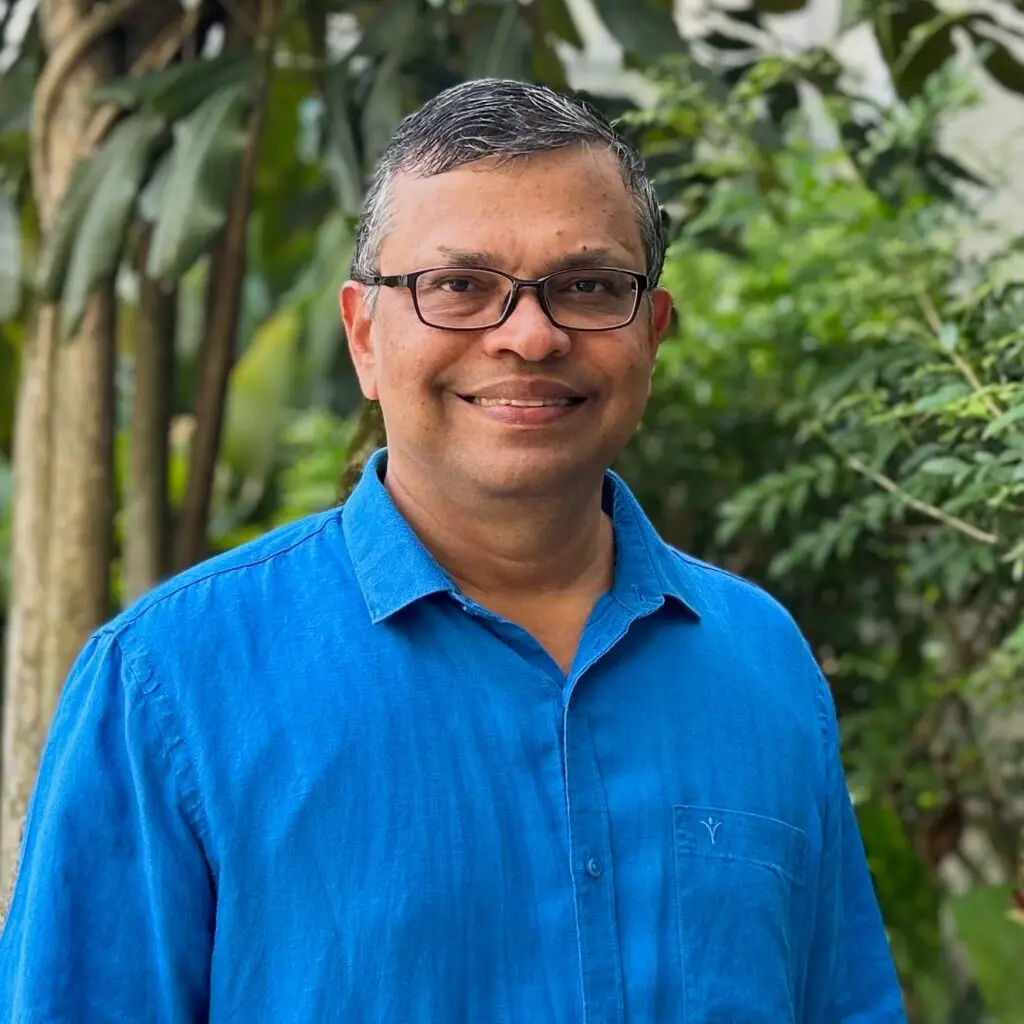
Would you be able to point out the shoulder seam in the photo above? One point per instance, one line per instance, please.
(116, 628)
(708, 567)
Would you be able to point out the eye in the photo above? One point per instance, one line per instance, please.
(587, 285)
(458, 285)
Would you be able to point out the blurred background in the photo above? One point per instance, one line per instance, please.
(838, 413)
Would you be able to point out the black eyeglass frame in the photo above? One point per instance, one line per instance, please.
(518, 284)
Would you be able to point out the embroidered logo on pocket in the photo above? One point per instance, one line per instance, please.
(712, 826)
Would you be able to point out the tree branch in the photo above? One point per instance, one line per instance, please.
(223, 303)
(924, 507)
(156, 56)
(61, 62)
(934, 321)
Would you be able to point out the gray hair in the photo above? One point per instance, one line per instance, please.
(505, 119)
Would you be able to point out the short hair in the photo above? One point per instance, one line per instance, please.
(503, 119)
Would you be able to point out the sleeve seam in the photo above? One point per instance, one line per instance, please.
(174, 747)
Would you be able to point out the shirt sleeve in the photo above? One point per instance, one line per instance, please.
(111, 918)
(851, 977)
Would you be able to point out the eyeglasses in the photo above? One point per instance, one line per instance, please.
(460, 299)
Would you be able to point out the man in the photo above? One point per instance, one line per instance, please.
(478, 746)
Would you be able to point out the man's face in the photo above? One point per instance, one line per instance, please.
(441, 391)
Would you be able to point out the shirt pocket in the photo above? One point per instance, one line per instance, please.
(740, 881)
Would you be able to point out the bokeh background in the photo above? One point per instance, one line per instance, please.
(837, 414)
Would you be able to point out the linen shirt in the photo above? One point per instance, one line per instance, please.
(311, 781)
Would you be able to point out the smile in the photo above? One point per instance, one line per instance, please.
(526, 403)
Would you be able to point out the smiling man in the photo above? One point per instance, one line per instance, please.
(478, 746)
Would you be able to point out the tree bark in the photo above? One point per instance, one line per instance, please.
(24, 715)
(146, 513)
(81, 514)
(60, 563)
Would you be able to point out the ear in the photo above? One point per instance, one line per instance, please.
(358, 321)
(661, 316)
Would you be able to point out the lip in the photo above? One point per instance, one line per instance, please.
(525, 401)
(525, 389)
(527, 415)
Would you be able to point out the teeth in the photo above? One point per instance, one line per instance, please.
(524, 403)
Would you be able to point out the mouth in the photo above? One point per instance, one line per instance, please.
(527, 412)
(525, 403)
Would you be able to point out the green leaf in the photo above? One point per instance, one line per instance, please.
(1007, 419)
(929, 47)
(393, 31)
(151, 197)
(207, 152)
(546, 66)
(317, 294)
(384, 109)
(176, 91)
(895, 21)
(59, 240)
(994, 946)
(501, 47)
(10, 257)
(260, 390)
(945, 465)
(645, 31)
(1001, 64)
(556, 18)
(341, 160)
(127, 156)
(16, 88)
(947, 395)
(779, 6)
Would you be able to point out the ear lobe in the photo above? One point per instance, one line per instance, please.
(359, 335)
(661, 314)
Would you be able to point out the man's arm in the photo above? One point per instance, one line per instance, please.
(851, 978)
(112, 912)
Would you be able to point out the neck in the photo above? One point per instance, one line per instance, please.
(509, 547)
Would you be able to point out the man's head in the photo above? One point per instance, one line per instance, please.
(506, 177)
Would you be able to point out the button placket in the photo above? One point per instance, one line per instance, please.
(593, 882)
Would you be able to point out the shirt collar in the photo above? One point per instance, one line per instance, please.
(394, 569)
(647, 570)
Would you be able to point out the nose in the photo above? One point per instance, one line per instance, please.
(527, 333)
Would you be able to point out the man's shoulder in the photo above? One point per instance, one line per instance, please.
(718, 588)
(242, 583)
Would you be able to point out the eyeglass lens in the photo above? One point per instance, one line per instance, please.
(576, 299)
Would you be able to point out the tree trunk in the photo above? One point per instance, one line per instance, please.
(24, 715)
(81, 491)
(217, 350)
(60, 563)
(147, 517)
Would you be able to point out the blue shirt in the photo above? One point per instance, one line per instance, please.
(310, 781)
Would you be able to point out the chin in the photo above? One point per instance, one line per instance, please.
(523, 475)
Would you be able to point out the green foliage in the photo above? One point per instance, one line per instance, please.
(994, 944)
(10, 256)
(99, 238)
(837, 415)
(201, 179)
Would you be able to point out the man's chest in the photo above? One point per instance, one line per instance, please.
(480, 835)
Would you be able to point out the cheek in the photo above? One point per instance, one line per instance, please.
(627, 364)
(411, 362)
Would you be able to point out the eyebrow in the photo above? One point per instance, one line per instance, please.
(484, 259)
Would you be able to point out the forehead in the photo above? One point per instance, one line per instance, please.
(531, 211)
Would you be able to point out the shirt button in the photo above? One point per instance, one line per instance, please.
(594, 868)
